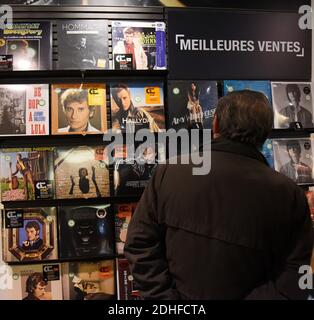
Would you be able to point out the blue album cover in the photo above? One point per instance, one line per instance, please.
(191, 104)
(236, 85)
(268, 153)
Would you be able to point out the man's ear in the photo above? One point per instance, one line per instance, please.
(216, 130)
(91, 112)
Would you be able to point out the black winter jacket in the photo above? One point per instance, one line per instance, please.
(240, 232)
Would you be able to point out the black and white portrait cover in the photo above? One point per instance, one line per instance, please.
(191, 104)
(89, 280)
(82, 44)
(293, 158)
(293, 104)
(24, 109)
(86, 231)
(81, 172)
(28, 282)
(34, 238)
(29, 43)
(138, 45)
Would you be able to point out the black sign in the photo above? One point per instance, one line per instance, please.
(250, 45)
(123, 61)
(14, 219)
(43, 189)
(51, 272)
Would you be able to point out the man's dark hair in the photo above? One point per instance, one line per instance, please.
(293, 87)
(293, 144)
(245, 116)
(115, 90)
(32, 224)
(33, 280)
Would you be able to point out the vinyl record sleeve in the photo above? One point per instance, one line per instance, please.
(24, 110)
(27, 174)
(138, 45)
(29, 43)
(123, 216)
(255, 85)
(78, 108)
(294, 158)
(86, 231)
(191, 104)
(292, 102)
(82, 44)
(21, 281)
(88, 280)
(136, 106)
(126, 287)
(35, 240)
(81, 172)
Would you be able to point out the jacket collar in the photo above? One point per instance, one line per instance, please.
(225, 145)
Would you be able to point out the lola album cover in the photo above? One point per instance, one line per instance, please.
(24, 109)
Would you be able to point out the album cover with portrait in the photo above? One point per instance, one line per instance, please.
(191, 104)
(123, 215)
(126, 286)
(293, 105)
(78, 108)
(139, 45)
(254, 85)
(136, 106)
(268, 153)
(27, 174)
(81, 172)
(29, 234)
(32, 282)
(132, 171)
(293, 158)
(82, 44)
(30, 44)
(86, 231)
(24, 109)
(89, 280)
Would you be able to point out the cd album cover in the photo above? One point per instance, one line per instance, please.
(123, 216)
(33, 282)
(126, 287)
(86, 231)
(29, 43)
(132, 172)
(292, 103)
(268, 153)
(78, 108)
(260, 86)
(24, 109)
(293, 158)
(30, 234)
(27, 174)
(137, 106)
(191, 104)
(138, 45)
(81, 172)
(88, 280)
(82, 44)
